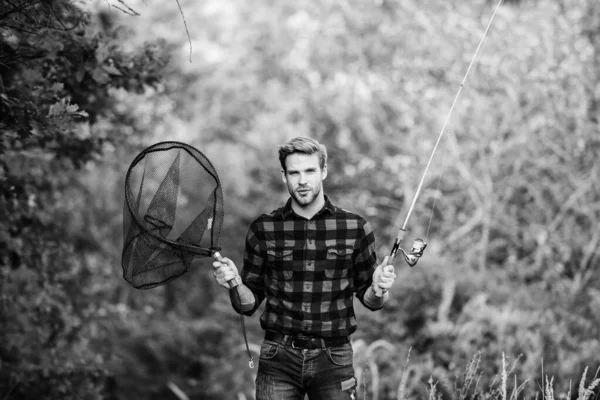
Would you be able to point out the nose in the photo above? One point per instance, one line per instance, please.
(302, 180)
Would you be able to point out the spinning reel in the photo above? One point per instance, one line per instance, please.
(416, 250)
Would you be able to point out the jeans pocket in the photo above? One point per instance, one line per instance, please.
(268, 350)
(341, 356)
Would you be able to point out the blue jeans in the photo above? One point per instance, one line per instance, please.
(286, 373)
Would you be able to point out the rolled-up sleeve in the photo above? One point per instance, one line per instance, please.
(252, 272)
(365, 262)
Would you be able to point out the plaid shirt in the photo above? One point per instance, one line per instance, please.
(309, 270)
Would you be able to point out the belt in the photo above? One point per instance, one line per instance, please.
(305, 342)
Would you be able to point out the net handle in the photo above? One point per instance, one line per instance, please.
(232, 283)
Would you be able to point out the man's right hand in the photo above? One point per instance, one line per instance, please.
(383, 277)
(225, 271)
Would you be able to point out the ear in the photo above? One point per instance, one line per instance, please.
(324, 172)
(283, 177)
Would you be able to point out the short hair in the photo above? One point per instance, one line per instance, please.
(303, 145)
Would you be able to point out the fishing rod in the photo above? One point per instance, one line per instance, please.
(414, 254)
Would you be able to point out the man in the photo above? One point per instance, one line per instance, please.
(307, 259)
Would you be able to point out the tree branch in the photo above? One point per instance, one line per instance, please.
(186, 28)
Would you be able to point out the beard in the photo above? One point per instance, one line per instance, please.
(305, 195)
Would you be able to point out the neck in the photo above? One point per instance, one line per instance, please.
(309, 210)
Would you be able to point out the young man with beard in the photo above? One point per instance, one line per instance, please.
(307, 259)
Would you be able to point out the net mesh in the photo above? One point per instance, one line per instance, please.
(173, 212)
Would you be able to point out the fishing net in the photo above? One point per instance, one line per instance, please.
(173, 212)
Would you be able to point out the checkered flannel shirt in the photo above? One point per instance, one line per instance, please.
(309, 270)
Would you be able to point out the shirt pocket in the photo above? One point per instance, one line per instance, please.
(281, 262)
(339, 260)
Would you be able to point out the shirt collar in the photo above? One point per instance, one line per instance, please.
(287, 209)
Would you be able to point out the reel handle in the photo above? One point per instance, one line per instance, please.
(416, 252)
(217, 256)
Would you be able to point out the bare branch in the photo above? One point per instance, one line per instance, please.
(130, 11)
(186, 28)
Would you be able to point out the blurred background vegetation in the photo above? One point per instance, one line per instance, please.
(511, 269)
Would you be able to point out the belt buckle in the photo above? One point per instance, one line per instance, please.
(298, 346)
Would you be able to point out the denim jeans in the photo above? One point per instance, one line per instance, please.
(286, 373)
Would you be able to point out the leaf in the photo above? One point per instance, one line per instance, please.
(35, 128)
(57, 87)
(102, 53)
(72, 108)
(111, 70)
(81, 114)
(32, 75)
(57, 108)
(64, 107)
(80, 74)
(100, 76)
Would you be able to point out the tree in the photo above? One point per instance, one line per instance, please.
(59, 70)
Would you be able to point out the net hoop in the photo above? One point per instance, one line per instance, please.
(143, 224)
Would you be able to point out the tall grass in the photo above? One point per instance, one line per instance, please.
(467, 387)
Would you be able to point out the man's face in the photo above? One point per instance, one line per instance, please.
(303, 177)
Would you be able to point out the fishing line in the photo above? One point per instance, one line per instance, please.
(443, 130)
(437, 191)
(419, 245)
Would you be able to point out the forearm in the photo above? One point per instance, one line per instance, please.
(372, 301)
(242, 298)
